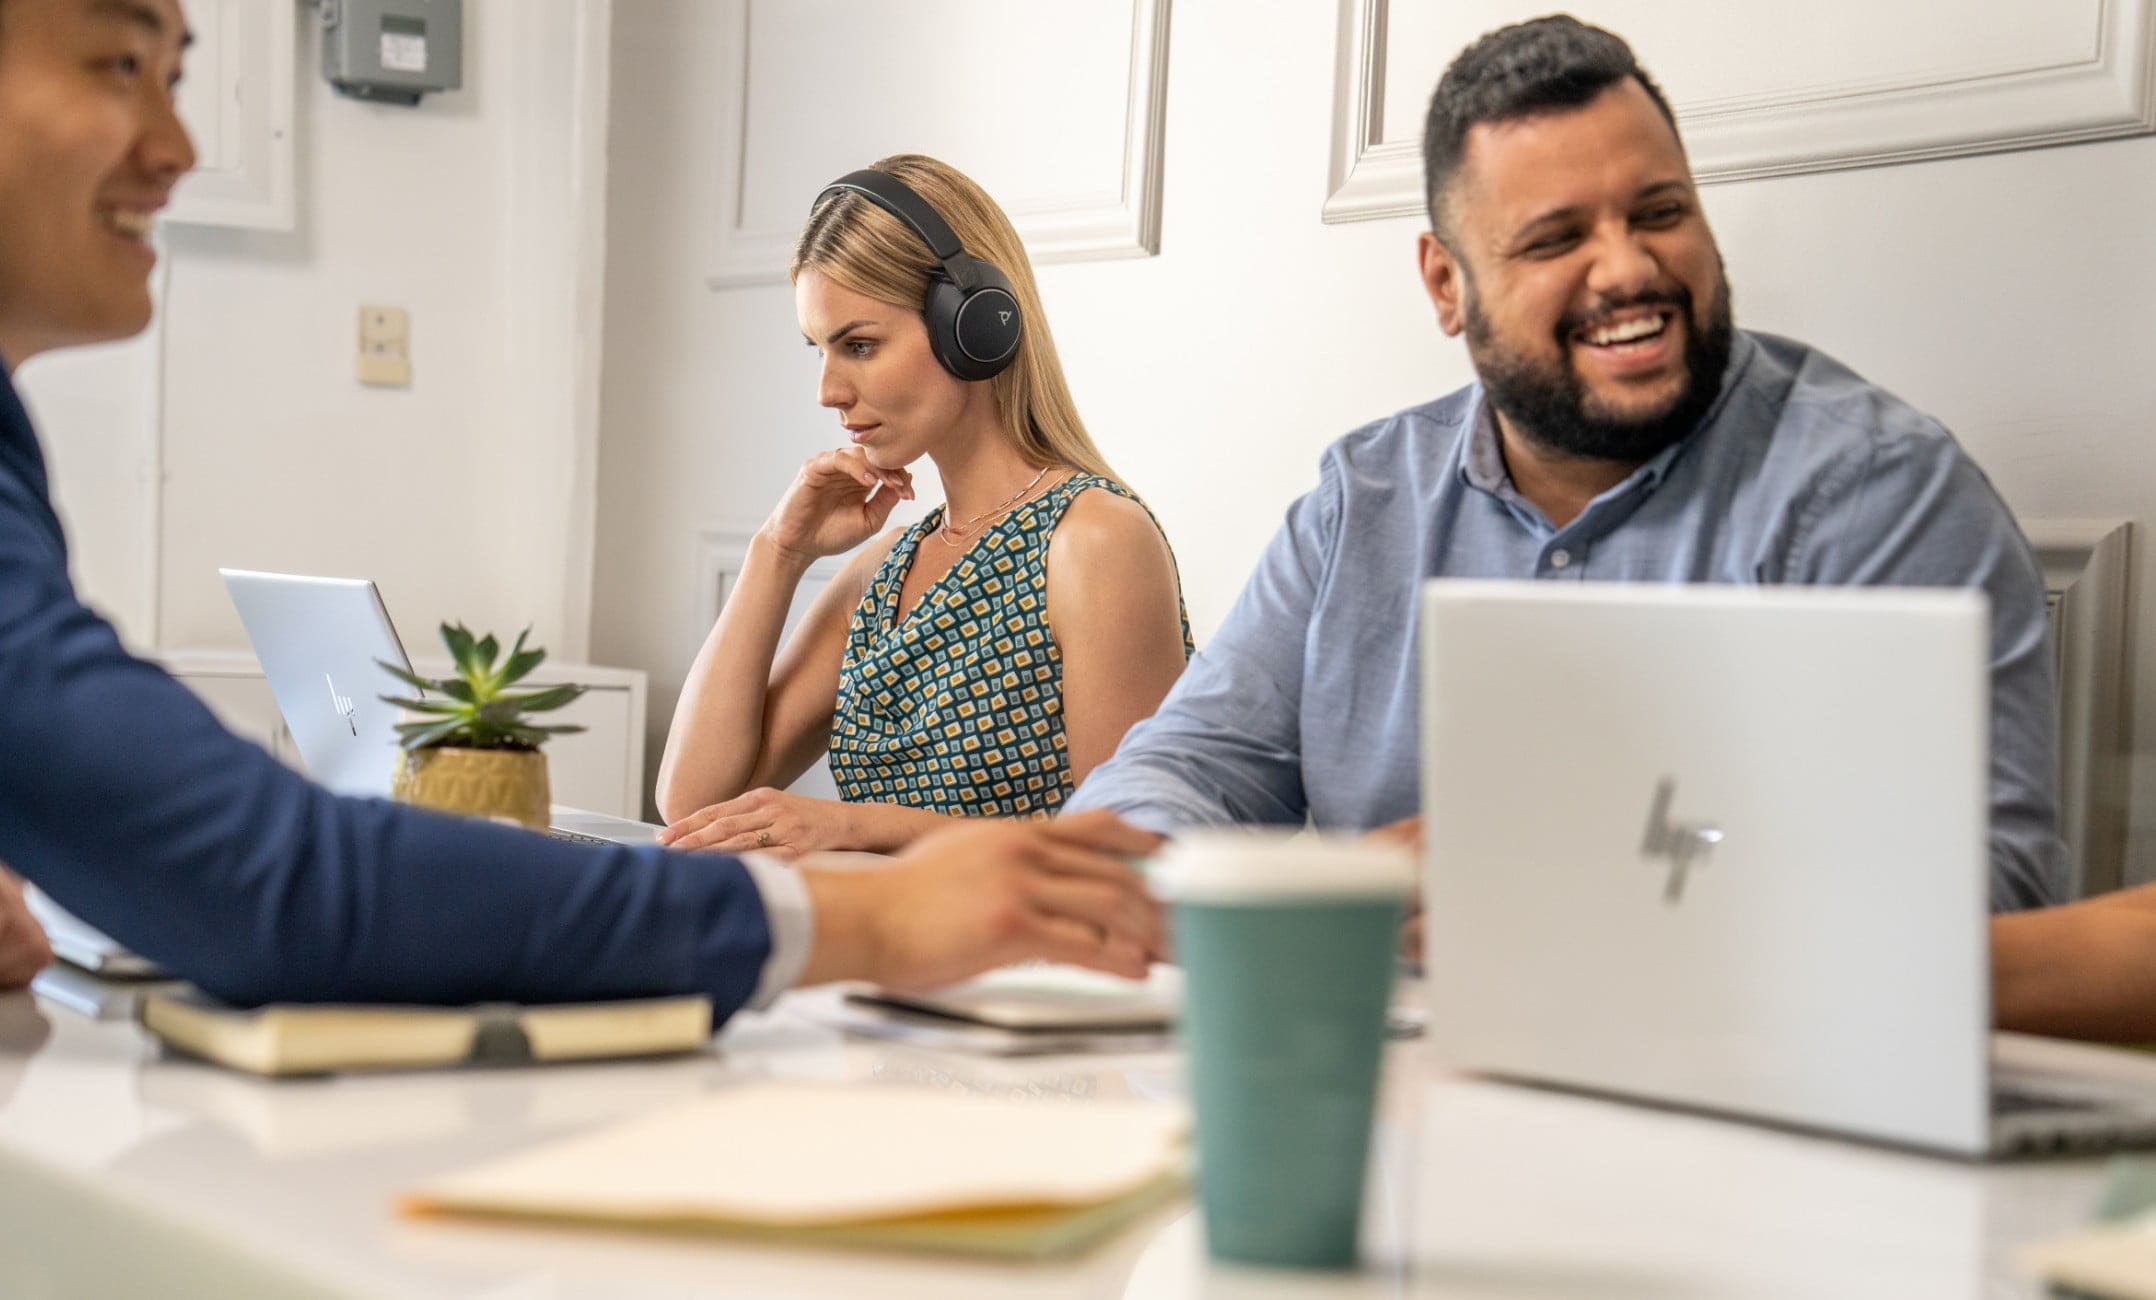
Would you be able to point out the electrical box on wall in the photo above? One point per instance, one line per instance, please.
(385, 347)
(392, 51)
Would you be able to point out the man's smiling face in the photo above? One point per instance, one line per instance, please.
(90, 148)
(1584, 276)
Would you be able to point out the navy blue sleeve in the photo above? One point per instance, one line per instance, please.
(123, 798)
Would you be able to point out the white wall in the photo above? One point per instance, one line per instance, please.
(2006, 293)
(466, 496)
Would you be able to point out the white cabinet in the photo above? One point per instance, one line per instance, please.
(720, 558)
(600, 768)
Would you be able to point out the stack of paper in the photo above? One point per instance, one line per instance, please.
(2115, 1257)
(1044, 996)
(1029, 1010)
(1034, 1009)
(2117, 1261)
(890, 1167)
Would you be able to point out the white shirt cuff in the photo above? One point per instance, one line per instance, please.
(791, 919)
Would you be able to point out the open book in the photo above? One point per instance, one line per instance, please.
(875, 1166)
(307, 1039)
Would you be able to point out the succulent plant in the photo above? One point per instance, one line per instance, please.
(475, 709)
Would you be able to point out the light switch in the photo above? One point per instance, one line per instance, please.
(385, 347)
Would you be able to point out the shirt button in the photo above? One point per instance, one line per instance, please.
(1560, 559)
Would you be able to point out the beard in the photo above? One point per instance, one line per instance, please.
(1549, 403)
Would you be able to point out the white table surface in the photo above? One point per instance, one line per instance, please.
(123, 1173)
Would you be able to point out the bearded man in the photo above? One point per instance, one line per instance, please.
(1620, 430)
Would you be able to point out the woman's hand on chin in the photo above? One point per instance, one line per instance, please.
(838, 501)
(767, 821)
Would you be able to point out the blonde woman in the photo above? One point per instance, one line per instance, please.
(978, 663)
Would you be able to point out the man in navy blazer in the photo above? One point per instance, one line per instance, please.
(126, 801)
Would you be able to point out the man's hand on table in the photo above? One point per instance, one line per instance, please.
(985, 895)
(1407, 831)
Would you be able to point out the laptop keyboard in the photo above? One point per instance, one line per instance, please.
(2014, 1101)
(575, 837)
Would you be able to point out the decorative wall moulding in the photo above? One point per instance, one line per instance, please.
(1072, 150)
(2086, 579)
(721, 555)
(1938, 79)
(237, 102)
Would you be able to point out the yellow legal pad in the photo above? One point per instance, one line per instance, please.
(2113, 1263)
(885, 1167)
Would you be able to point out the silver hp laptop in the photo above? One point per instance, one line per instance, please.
(322, 642)
(1725, 848)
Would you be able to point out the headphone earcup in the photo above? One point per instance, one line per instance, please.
(974, 332)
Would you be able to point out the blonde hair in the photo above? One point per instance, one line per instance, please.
(871, 252)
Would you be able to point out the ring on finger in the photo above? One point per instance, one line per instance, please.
(763, 838)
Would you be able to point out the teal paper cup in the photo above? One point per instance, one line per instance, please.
(1286, 945)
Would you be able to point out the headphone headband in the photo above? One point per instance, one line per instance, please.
(897, 198)
(974, 321)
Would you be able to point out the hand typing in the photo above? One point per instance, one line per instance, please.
(766, 820)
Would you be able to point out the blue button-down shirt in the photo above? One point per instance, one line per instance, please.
(1306, 704)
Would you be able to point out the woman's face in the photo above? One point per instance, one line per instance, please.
(890, 393)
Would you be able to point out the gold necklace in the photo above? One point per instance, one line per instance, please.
(953, 535)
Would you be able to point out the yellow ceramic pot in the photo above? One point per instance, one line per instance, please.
(509, 783)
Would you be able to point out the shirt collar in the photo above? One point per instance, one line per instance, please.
(18, 441)
(1483, 467)
(14, 419)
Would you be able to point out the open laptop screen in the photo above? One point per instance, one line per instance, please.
(321, 642)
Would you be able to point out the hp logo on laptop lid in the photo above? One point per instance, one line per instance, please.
(342, 703)
(1681, 844)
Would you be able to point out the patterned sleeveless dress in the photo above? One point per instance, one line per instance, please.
(959, 709)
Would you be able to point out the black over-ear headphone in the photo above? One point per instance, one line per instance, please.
(973, 317)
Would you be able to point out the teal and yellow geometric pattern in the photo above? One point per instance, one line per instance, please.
(959, 710)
